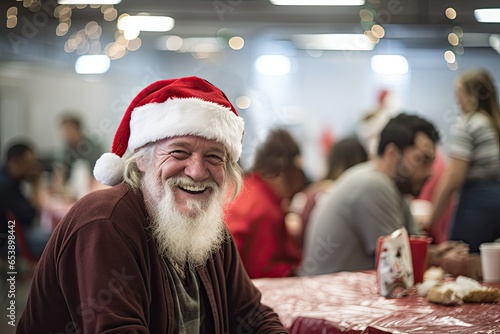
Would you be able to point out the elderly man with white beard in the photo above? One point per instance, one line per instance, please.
(151, 254)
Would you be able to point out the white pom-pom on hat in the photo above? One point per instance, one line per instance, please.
(169, 108)
(109, 169)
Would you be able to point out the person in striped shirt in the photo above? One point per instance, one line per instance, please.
(474, 163)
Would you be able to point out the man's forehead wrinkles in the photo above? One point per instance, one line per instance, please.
(213, 145)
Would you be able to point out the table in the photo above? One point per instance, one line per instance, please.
(55, 205)
(53, 209)
(348, 302)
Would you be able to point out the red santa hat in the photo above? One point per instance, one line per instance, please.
(170, 108)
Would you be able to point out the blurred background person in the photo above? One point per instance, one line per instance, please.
(373, 121)
(256, 217)
(368, 132)
(421, 206)
(19, 203)
(370, 199)
(343, 155)
(474, 167)
(75, 161)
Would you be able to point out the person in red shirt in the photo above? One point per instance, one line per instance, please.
(256, 218)
(439, 231)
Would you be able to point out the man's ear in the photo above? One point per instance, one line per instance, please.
(141, 163)
(391, 150)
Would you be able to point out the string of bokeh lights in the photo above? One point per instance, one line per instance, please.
(455, 38)
(374, 31)
(88, 39)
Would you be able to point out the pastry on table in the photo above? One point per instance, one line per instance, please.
(463, 290)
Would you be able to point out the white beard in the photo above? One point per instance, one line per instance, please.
(184, 239)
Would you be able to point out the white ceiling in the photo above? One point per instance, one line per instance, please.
(260, 13)
(413, 23)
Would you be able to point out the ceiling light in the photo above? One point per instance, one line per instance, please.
(318, 2)
(389, 64)
(92, 64)
(172, 43)
(276, 65)
(451, 13)
(347, 42)
(236, 43)
(378, 31)
(88, 2)
(450, 57)
(169, 43)
(366, 15)
(487, 15)
(131, 34)
(453, 39)
(201, 44)
(192, 44)
(146, 23)
(494, 41)
(243, 102)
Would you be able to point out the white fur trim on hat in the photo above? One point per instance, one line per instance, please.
(186, 116)
(109, 169)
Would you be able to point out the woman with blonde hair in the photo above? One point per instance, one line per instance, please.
(474, 163)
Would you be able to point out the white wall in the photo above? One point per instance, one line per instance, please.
(43, 94)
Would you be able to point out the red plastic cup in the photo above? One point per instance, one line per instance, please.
(419, 245)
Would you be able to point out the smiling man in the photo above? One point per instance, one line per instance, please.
(369, 200)
(151, 254)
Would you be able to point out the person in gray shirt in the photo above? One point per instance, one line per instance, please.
(369, 200)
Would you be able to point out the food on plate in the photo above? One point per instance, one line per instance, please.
(463, 290)
(434, 273)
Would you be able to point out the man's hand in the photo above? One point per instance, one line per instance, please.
(436, 253)
(458, 261)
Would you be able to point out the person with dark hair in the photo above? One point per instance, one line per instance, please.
(343, 155)
(151, 254)
(21, 165)
(256, 218)
(369, 200)
(77, 156)
(474, 166)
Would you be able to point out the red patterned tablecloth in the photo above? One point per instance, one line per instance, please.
(348, 302)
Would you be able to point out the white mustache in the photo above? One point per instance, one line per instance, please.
(191, 185)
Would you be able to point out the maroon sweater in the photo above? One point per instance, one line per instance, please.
(101, 272)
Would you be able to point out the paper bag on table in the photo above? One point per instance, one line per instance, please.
(395, 268)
